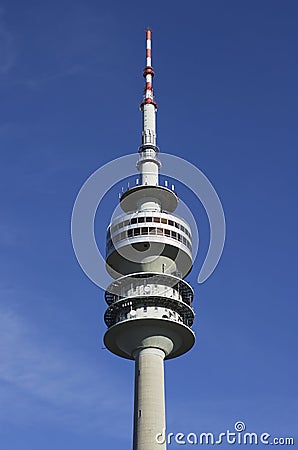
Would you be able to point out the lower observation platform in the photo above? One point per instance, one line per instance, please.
(124, 338)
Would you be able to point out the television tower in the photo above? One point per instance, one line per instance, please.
(148, 253)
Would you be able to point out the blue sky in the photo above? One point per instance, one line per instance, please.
(226, 85)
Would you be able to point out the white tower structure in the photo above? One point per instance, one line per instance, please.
(148, 253)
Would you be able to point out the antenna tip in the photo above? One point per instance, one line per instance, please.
(148, 33)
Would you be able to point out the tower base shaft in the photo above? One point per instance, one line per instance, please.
(149, 405)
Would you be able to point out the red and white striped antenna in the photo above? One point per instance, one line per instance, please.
(148, 107)
(148, 72)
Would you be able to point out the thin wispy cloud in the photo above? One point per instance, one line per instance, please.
(41, 382)
(38, 82)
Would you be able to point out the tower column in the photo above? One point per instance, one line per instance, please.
(149, 404)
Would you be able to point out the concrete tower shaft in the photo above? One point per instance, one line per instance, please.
(149, 405)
